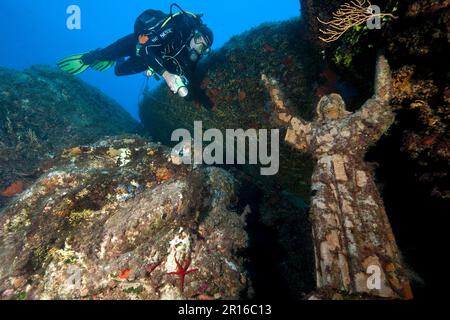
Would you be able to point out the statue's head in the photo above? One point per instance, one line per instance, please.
(331, 107)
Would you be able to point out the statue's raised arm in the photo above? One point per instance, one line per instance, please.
(298, 130)
(373, 119)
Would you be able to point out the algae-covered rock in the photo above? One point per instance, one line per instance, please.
(227, 93)
(42, 111)
(118, 220)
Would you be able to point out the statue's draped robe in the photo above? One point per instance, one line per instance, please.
(350, 228)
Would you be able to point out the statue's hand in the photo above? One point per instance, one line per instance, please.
(277, 97)
(383, 80)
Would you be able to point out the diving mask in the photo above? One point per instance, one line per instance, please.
(200, 44)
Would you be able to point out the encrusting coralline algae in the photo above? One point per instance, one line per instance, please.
(70, 236)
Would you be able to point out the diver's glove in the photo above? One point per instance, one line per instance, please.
(176, 84)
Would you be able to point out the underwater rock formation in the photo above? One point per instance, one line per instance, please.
(351, 231)
(119, 220)
(226, 93)
(42, 111)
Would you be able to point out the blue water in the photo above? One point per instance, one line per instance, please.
(35, 32)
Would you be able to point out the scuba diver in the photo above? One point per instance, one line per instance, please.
(169, 45)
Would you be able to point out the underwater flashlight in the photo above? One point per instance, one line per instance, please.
(181, 83)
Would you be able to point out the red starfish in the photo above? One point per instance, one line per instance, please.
(182, 272)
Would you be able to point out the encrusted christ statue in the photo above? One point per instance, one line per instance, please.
(355, 250)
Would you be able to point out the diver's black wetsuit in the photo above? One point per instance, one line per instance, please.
(166, 50)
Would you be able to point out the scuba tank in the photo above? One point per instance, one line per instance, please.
(151, 22)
